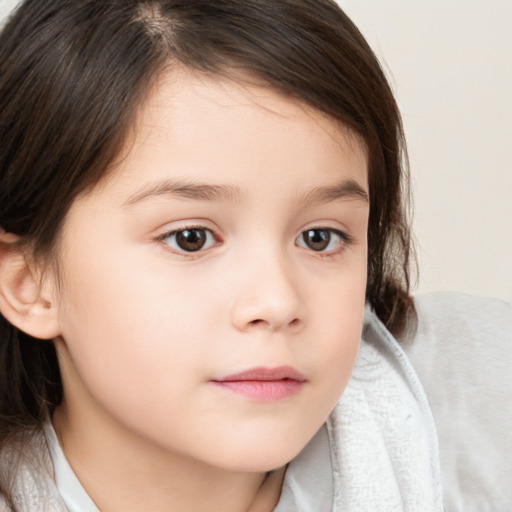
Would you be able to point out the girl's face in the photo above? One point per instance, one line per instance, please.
(213, 286)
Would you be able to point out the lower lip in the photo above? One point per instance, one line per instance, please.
(262, 390)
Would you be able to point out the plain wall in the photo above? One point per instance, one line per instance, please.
(450, 63)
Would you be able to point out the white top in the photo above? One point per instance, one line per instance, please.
(308, 484)
(462, 353)
(70, 489)
(378, 451)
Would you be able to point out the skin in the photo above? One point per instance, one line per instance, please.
(145, 326)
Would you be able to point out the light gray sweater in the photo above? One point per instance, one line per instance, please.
(379, 451)
(462, 353)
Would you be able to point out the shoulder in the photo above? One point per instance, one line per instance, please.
(455, 314)
(462, 349)
(462, 352)
(463, 336)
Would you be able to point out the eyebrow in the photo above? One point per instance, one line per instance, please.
(346, 189)
(185, 190)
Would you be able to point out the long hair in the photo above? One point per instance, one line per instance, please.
(72, 78)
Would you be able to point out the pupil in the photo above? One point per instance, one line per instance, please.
(191, 239)
(317, 239)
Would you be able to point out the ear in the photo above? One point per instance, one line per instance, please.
(25, 301)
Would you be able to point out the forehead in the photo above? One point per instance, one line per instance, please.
(190, 119)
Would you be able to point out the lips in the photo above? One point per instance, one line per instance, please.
(263, 384)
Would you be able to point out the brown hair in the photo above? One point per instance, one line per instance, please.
(72, 75)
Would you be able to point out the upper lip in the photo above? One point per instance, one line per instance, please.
(265, 374)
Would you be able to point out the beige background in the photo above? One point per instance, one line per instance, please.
(450, 62)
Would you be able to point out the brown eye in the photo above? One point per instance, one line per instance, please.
(190, 240)
(317, 239)
(322, 239)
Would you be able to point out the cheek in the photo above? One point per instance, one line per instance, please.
(127, 329)
(341, 335)
(337, 318)
(344, 326)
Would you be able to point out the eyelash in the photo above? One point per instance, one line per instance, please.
(344, 240)
(210, 237)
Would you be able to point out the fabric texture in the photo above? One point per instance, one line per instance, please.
(462, 353)
(378, 450)
(384, 443)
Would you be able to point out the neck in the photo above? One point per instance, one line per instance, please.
(121, 473)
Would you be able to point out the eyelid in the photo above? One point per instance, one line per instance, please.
(188, 227)
(345, 240)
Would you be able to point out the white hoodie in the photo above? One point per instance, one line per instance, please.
(378, 451)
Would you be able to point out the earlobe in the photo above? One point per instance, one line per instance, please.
(24, 302)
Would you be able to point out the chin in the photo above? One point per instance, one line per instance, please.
(261, 457)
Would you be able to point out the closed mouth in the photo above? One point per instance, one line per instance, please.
(264, 384)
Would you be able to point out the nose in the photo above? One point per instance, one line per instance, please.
(267, 298)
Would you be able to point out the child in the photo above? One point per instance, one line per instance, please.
(202, 207)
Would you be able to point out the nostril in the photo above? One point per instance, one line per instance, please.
(261, 322)
(294, 323)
